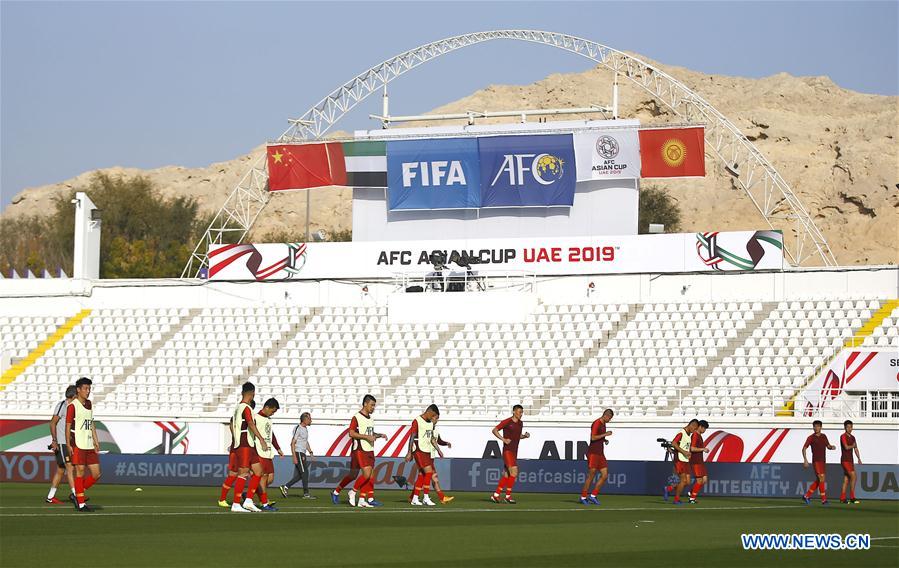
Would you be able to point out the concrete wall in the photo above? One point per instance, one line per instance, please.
(53, 296)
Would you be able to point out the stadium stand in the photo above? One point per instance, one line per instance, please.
(21, 335)
(745, 358)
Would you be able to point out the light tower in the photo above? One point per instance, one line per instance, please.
(87, 237)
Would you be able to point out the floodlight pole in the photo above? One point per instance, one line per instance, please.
(615, 98)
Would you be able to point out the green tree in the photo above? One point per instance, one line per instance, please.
(656, 206)
(144, 235)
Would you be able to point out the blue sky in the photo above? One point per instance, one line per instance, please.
(91, 85)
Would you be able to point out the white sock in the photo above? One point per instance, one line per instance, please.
(52, 493)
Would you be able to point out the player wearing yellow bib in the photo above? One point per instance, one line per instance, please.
(267, 434)
(683, 450)
(363, 436)
(421, 445)
(243, 444)
(82, 439)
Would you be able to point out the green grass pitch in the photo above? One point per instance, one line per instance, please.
(183, 526)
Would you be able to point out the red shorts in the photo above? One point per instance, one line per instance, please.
(596, 461)
(84, 457)
(245, 456)
(510, 459)
(232, 461)
(820, 467)
(268, 466)
(361, 459)
(699, 470)
(848, 467)
(682, 468)
(423, 459)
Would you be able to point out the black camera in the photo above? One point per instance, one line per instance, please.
(667, 446)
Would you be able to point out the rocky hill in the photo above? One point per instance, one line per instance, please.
(837, 148)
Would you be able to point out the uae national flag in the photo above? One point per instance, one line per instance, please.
(303, 166)
(366, 163)
(672, 152)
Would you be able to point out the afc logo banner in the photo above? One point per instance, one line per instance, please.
(527, 171)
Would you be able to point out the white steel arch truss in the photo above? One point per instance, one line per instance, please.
(751, 171)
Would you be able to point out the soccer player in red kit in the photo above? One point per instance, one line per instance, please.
(683, 449)
(820, 445)
(267, 435)
(847, 446)
(362, 459)
(243, 439)
(511, 434)
(232, 471)
(83, 441)
(421, 448)
(697, 461)
(596, 458)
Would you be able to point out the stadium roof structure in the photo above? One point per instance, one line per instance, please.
(736, 155)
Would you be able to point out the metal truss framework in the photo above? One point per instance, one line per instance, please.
(750, 170)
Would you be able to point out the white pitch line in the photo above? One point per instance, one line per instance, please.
(445, 511)
(885, 538)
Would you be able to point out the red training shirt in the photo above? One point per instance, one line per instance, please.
(819, 447)
(696, 442)
(846, 455)
(597, 447)
(512, 431)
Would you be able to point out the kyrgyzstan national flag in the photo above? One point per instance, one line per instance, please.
(672, 152)
(301, 166)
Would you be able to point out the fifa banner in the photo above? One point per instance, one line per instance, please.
(515, 170)
(852, 370)
(466, 474)
(684, 252)
(433, 174)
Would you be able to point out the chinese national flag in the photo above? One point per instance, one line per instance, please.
(301, 166)
(672, 152)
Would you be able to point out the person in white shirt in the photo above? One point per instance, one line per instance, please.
(60, 450)
(302, 452)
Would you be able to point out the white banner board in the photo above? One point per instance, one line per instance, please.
(851, 370)
(683, 252)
